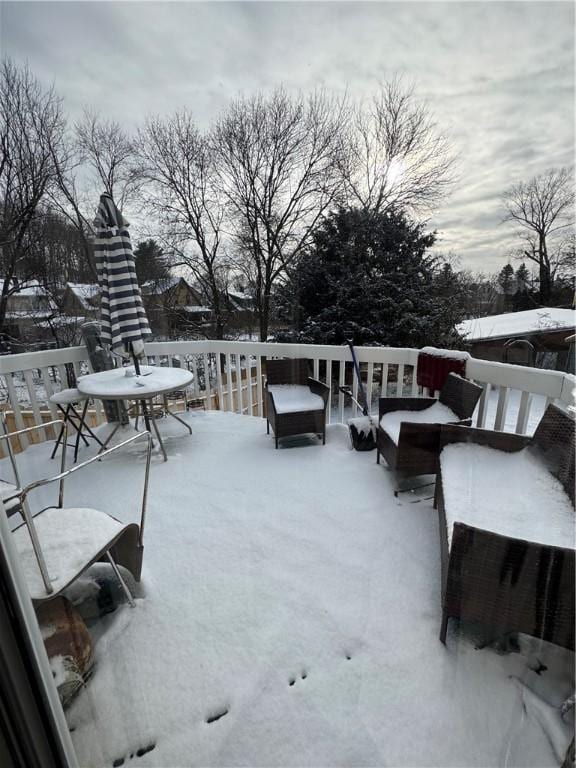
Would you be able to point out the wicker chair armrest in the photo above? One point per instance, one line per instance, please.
(270, 402)
(319, 388)
(502, 441)
(390, 404)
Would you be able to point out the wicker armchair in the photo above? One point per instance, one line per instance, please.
(501, 582)
(415, 452)
(298, 408)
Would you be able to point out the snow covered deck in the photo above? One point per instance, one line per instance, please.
(289, 599)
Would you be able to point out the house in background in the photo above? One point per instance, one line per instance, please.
(174, 306)
(28, 307)
(81, 299)
(240, 306)
(535, 337)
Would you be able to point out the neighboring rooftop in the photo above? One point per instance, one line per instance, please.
(511, 324)
(85, 293)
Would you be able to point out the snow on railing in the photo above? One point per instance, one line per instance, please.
(230, 375)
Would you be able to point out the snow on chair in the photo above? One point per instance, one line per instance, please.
(59, 543)
(295, 402)
(506, 512)
(409, 427)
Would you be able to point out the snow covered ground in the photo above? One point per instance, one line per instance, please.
(289, 616)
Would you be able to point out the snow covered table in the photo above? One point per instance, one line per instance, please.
(507, 525)
(124, 384)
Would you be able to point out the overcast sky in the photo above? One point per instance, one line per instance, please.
(499, 76)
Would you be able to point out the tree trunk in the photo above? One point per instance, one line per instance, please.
(544, 272)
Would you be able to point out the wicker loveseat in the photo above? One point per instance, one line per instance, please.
(506, 513)
(408, 427)
(295, 403)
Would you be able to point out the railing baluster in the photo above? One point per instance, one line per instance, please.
(328, 381)
(219, 382)
(230, 392)
(400, 380)
(385, 374)
(207, 384)
(259, 385)
(341, 368)
(316, 368)
(249, 385)
(523, 413)
(483, 405)
(369, 385)
(414, 387)
(195, 375)
(240, 399)
(501, 409)
(18, 418)
(63, 377)
(33, 399)
(354, 393)
(46, 381)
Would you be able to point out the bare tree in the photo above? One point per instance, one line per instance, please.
(32, 128)
(279, 160)
(178, 164)
(397, 155)
(106, 148)
(543, 211)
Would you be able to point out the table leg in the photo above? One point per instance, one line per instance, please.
(157, 433)
(169, 412)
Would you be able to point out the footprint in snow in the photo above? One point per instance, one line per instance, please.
(137, 753)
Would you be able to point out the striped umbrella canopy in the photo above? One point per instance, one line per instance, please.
(122, 314)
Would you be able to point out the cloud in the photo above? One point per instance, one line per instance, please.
(499, 76)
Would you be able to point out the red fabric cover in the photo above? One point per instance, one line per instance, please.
(432, 370)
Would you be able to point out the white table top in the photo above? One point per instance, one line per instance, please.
(116, 385)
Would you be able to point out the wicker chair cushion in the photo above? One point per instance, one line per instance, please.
(293, 398)
(511, 494)
(435, 414)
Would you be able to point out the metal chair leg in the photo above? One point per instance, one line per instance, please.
(121, 580)
(60, 436)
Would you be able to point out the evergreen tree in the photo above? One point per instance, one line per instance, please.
(506, 279)
(151, 264)
(524, 297)
(368, 277)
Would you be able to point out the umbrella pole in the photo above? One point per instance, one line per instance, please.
(142, 402)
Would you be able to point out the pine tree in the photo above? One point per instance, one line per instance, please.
(369, 277)
(506, 279)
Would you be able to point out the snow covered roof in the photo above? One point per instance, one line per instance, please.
(31, 288)
(84, 292)
(194, 309)
(161, 286)
(518, 323)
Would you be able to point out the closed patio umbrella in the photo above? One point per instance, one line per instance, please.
(122, 314)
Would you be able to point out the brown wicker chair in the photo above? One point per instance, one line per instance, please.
(285, 424)
(417, 450)
(507, 584)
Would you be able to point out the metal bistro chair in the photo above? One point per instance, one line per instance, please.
(8, 489)
(58, 544)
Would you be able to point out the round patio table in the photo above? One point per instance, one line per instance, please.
(124, 384)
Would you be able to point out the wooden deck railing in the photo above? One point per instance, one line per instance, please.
(513, 395)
